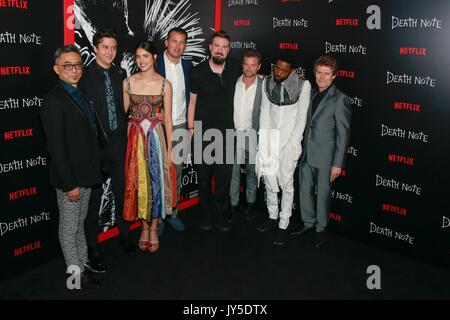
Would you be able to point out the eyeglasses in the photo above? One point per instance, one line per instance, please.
(69, 66)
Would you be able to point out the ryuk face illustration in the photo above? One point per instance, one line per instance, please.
(136, 20)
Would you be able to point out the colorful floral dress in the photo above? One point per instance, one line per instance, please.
(147, 179)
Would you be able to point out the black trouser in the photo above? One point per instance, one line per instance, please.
(218, 203)
(114, 160)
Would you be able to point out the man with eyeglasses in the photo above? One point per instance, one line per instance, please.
(73, 135)
(102, 83)
(211, 102)
(285, 102)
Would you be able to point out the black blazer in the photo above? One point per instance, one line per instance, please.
(72, 144)
(93, 85)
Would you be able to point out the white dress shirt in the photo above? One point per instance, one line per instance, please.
(174, 73)
(244, 99)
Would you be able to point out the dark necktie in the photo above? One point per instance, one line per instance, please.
(110, 102)
(276, 93)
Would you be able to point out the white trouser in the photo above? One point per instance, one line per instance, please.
(286, 202)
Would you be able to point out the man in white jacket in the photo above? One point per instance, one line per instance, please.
(285, 102)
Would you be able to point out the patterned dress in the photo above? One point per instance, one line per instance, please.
(148, 188)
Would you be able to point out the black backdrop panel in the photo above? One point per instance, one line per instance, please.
(29, 34)
(393, 66)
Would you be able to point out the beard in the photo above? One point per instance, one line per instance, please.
(218, 60)
(279, 80)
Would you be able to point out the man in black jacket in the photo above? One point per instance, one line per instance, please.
(102, 83)
(72, 136)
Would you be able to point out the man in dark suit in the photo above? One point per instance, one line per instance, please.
(177, 70)
(247, 106)
(325, 145)
(102, 83)
(72, 135)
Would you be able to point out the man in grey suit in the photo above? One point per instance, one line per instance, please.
(325, 145)
(247, 103)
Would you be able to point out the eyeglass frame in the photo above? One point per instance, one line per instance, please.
(71, 66)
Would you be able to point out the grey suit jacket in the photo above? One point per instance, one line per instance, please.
(327, 132)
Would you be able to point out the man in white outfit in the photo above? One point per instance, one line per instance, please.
(284, 106)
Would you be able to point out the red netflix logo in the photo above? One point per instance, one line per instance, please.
(289, 46)
(18, 4)
(352, 22)
(28, 192)
(335, 217)
(394, 209)
(15, 70)
(346, 74)
(15, 134)
(407, 106)
(27, 248)
(401, 159)
(242, 23)
(413, 51)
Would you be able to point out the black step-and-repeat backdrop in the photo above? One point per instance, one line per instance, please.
(394, 66)
(30, 31)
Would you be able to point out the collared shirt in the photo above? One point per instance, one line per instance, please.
(174, 73)
(92, 83)
(80, 100)
(318, 98)
(244, 99)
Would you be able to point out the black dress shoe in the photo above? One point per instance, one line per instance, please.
(89, 281)
(233, 213)
(248, 212)
(223, 224)
(94, 255)
(267, 225)
(297, 231)
(94, 267)
(280, 237)
(319, 240)
(206, 224)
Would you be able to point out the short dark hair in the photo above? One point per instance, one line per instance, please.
(220, 34)
(177, 30)
(148, 46)
(251, 53)
(286, 58)
(65, 49)
(328, 61)
(103, 33)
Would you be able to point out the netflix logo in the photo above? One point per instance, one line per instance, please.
(413, 51)
(18, 4)
(401, 159)
(352, 22)
(14, 70)
(415, 107)
(335, 217)
(289, 46)
(242, 23)
(28, 192)
(27, 248)
(394, 209)
(15, 134)
(346, 74)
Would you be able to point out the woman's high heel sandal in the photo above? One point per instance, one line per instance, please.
(153, 246)
(144, 244)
